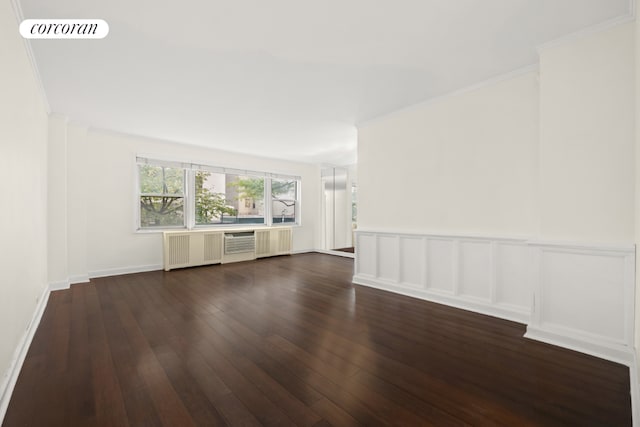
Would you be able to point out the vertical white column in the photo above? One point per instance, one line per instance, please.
(78, 186)
(57, 264)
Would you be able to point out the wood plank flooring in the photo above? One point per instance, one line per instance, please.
(290, 341)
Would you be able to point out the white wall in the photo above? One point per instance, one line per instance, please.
(465, 163)
(587, 138)
(101, 185)
(23, 212)
(512, 158)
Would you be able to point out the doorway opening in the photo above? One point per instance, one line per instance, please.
(339, 209)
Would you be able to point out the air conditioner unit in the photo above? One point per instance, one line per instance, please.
(239, 246)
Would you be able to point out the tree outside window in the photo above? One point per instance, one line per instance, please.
(161, 196)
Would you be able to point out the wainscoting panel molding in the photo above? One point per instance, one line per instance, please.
(573, 295)
(584, 298)
(462, 271)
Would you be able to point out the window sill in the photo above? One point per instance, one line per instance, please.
(216, 227)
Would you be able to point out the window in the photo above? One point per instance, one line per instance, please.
(211, 205)
(248, 192)
(161, 196)
(187, 195)
(224, 198)
(354, 205)
(283, 198)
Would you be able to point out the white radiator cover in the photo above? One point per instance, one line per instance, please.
(272, 242)
(192, 248)
(189, 248)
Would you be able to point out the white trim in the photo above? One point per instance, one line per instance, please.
(267, 200)
(615, 353)
(337, 253)
(124, 270)
(588, 246)
(303, 251)
(436, 99)
(9, 381)
(136, 197)
(17, 11)
(103, 273)
(79, 278)
(444, 235)
(476, 305)
(58, 286)
(594, 29)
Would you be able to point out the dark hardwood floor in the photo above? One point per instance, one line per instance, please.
(290, 341)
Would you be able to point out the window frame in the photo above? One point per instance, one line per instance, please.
(189, 197)
(140, 195)
(273, 199)
(246, 173)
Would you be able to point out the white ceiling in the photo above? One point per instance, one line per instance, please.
(286, 78)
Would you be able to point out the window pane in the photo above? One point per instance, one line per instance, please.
(161, 196)
(246, 194)
(354, 205)
(212, 205)
(283, 189)
(283, 200)
(283, 211)
(158, 211)
(229, 199)
(161, 180)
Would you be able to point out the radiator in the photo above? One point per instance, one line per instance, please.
(236, 243)
(203, 247)
(177, 251)
(191, 248)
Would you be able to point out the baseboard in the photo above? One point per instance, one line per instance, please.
(615, 353)
(337, 253)
(124, 270)
(323, 251)
(58, 286)
(9, 381)
(80, 278)
(462, 302)
(302, 251)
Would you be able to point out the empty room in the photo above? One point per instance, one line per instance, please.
(334, 213)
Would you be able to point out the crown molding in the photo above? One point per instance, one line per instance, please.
(17, 11)
(594, 29)
(533, 68)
